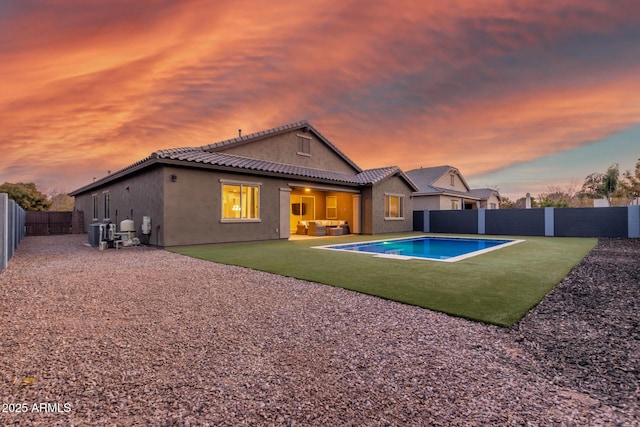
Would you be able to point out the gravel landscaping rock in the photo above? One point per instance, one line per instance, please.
(585, 334)
(141, 336)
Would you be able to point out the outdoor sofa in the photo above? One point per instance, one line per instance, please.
(332, 227)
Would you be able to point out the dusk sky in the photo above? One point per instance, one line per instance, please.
(519, 95)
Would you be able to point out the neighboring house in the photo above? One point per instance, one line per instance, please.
(444, 188)
(253, 187)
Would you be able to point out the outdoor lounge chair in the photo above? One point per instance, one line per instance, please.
(302, 227)
(316, 229)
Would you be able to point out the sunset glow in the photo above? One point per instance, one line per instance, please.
(486, 86)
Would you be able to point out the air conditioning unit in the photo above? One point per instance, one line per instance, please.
(95, 234)
(101, 232)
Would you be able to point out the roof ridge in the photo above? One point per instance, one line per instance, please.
(254, 135)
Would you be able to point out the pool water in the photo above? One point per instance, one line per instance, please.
(434, 248)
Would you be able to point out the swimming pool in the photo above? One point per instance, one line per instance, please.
(448, 249)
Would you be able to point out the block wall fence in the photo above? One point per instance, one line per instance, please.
(12, 219)
(554, 222)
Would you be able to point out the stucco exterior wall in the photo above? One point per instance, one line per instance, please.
(492, 200)
(283, 148)
(367, 216)
(445, 202)
(345, 206)
(378, 223)
(421, 203)
(132, 197)
(435, 203)
(193, 208)
(445, 182)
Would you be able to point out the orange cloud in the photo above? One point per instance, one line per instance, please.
(481, 85)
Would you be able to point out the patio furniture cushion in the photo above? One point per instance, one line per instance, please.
(317, 229)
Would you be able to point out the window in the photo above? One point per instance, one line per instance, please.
(95, 206)
(107, 205)
(455, 205)
(240, 201)
(393, 206)
(304, 145)
(332, 207)
(492, 206)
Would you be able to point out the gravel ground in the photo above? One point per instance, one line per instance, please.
(141, 336)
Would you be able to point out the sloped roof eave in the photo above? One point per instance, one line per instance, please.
(137, 166)
(211, 158)
(444, 192)
(260, 172)
(312, 175)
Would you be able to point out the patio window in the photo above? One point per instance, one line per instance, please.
(393, 206)
(240, 202)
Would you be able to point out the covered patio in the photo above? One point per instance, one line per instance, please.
(320, 211)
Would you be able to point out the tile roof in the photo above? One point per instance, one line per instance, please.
(484, 193)
(210, 155)
(197, 155)
(425, 177)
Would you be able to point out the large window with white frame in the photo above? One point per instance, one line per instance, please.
(240, 201)
(393, 206)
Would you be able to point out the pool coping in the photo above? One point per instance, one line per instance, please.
(510, 242)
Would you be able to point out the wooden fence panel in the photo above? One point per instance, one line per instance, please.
(47, 223)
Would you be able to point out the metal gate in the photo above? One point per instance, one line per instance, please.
(47, 223)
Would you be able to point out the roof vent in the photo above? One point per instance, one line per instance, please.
(239, 133)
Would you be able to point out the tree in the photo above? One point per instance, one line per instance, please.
(631, 182)
(506, 203)
(60, 201)
(602, 184)
(521, 203)
(559, 198)
(26, 196)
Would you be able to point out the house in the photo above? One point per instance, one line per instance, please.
(253, 187)
(444, 188)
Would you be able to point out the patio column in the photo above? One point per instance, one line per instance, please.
(285, 197)
(356, 223)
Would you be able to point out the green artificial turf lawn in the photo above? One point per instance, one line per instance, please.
(498, 287)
